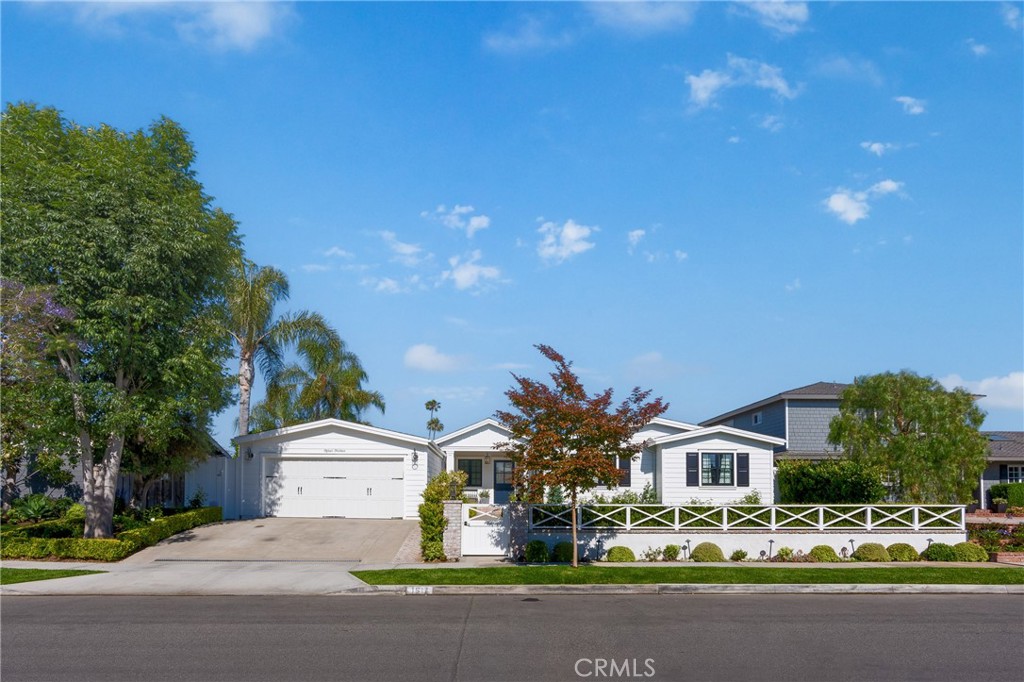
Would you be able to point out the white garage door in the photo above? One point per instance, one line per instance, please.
(354, 488)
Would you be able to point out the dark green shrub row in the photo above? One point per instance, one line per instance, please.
(128, 542)
(1013, 493)
(829, 481)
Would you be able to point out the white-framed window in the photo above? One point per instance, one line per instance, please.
(1015, 474)
(716, 468)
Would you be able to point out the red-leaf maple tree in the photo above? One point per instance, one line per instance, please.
(561, 436)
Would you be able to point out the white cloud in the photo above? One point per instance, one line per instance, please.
(314, 267)
(427, 358)
(979, 49)
(793, 286)
(561, 242)
(634, 237)
(680, 255)
(851, 207)
(459, 217)
(453, 394)
(911, 105)
(782, 16)
(878, 148)
(734, 139)
(1006, 392)
(849, 68)
(1011, 15)
(771, 123)
(409, 255)
(643, 17)
(739, 72)
(530, 36)
(338, 252)
(467, 274)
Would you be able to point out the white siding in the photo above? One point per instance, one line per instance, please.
(208, 476)
(483, 437)
(673, 468)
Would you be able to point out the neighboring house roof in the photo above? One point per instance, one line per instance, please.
(673, 423)
(699, 434)
(1005, 446)
(337, 423)
(821, 390)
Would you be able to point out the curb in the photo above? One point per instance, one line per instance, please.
(667, 588)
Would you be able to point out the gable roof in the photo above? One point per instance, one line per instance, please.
(718, 430)
(455, 435)
(820, 390)
(336, 423)
(673, 423)
(1005, 445)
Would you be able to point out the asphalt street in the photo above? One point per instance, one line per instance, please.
(666, 637)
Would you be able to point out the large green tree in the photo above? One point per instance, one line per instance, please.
(260, 338)
(924, 437)
(561, 436)
(327, 382)
(117, 226)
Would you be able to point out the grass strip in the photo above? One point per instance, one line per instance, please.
(9, 576)
(621, 575)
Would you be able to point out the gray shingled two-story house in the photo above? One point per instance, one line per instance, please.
(801, 416)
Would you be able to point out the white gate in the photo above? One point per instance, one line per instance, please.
(485, 529)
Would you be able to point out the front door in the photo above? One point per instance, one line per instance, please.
(502, 480)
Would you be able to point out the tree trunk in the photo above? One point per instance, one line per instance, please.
(246, 372)
(101, 489)
(575, 547)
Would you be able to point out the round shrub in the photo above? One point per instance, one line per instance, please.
(901, 551)
(968, 551)
(536, 552)
(784, 553)
(562, 553)
(75, 512)
(823, 553)
(671, 552)
(871, 551)
(620, 553)
(433, 550)
(939, 551)
(707, 551)
(738, 555)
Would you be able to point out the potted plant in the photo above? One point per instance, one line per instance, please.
(973, 507)
(484, 496)
(999, 505)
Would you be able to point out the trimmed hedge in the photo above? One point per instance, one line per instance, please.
(18, 546)
(871, 551)
(968, 551)
(562, 553)
(620, 554)
(829, 481)
(707, 551)
(824, 554)
(939, 551)
(901, 551)
(1013, 493)
(536, 552)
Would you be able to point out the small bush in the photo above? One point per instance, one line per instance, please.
(651, 554)
(823, 553)
(968, 551)
(562, 552)
(433, 550)
(1015, 494)
(37, 507)
(784, 553)
(707, 551)
(829, 481)
(738, 555)
(753, 498)
(871, 551)
(536, 552)
(620, 554)
(671, 552)
(939, 551)
(901, 551)
(76, 512)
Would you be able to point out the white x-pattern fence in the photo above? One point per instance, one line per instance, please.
(743, 517)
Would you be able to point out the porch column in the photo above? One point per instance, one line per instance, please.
(453, 529)
(518, 530)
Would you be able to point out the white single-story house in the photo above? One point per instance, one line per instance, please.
(321, 469)
(681, 462)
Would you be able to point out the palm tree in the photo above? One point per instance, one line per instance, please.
(260, 337)
(434, 425)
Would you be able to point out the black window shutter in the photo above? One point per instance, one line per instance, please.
(743, 469)
(692, 471)
(1004, 474)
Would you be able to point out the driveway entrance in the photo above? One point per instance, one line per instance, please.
(275, 539)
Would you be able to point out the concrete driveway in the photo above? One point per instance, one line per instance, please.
(272, 539)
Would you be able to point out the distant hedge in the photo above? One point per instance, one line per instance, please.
(829, 481)
(17, 544)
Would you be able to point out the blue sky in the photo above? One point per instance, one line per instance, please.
(717, 201)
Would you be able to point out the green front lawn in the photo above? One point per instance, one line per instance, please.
(9, 576)
(738, 575)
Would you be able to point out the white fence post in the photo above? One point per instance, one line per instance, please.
(917, 518)
(869, 518)
(676, 519)
(629, 518)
